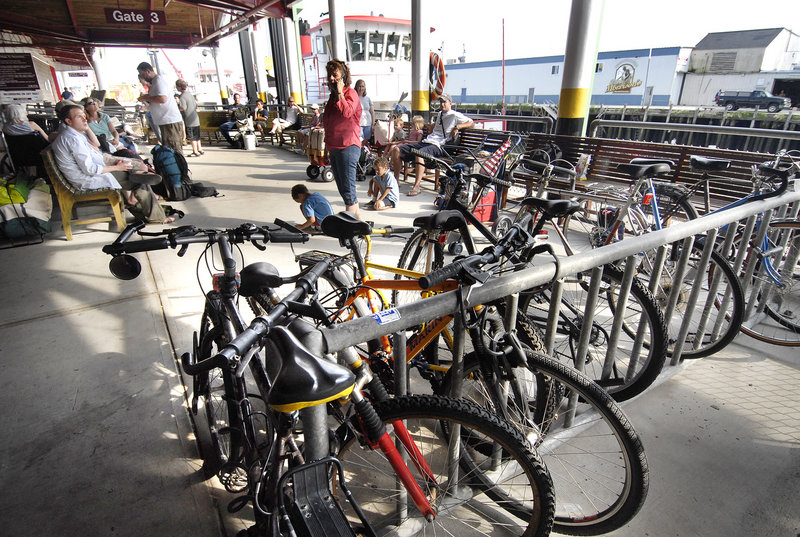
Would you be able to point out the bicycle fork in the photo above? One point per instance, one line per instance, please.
(378, 437)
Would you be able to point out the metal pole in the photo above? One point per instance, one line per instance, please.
(338, 43)
(420, 60)
(579, 64)
(247, 62)
(292, 59)
(400, 388)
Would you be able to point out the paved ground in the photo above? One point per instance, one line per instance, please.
(98, 440)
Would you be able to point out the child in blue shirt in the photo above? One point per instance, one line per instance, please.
(313, 205)
(383, 187)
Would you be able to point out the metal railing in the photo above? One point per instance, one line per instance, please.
(359, 330)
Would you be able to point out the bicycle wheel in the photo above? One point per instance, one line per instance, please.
(597, 462)
(641, 347)
(775, 317)
(508, 492)
(218, 390)
(419, 255)
(720, 305)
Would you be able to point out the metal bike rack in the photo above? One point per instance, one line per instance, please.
(358, 330)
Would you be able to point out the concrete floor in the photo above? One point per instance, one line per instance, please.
(98, 439)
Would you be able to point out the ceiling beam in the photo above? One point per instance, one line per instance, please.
(242, 20)
(71, 12)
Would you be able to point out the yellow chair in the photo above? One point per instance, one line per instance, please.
(68, 196)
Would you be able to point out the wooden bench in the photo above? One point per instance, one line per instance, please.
(210, 120)
(68, 197)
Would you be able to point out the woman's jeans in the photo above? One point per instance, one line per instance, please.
(343, 164)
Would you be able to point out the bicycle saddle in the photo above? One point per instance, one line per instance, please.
(305, 380)
(444, 220)
(257, 276)
(647, 160)
(644, 170)
(552, 208)
(344, 225)
(709, 164)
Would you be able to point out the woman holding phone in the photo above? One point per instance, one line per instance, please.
(341, 120)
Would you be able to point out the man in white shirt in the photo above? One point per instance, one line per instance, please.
(445, 129)
(86, 168)
(163, 107)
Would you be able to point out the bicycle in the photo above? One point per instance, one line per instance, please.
(752, 259)
(593, 496)
(297, 476)
(624, 369)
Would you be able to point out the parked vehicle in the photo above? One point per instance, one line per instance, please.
(733, 100)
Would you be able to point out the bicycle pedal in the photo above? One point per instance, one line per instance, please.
(313, 508)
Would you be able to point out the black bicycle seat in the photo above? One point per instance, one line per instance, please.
(257, 276)
(445, 220)
(649, 160)
(552, 208)
(305, 380)
(644, 170)
(706, 164)
(344, 225)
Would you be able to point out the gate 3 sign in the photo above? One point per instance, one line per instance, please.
(143, 17)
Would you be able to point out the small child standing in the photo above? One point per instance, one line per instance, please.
(383, 187)
(313, 205)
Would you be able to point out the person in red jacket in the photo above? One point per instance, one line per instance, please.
(341, 120)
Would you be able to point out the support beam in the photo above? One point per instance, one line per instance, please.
(292, 67)
(420, 60)
(248, 64)
(338, 43)
(579, 63)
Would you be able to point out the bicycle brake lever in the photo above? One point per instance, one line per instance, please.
(183, 249)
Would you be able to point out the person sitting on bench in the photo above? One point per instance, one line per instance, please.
(87, 168)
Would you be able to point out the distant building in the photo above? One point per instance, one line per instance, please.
(767, 59)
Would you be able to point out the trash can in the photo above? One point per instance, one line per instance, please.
(249, 142)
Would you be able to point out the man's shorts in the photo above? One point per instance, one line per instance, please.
(193, 133)
(423, 147)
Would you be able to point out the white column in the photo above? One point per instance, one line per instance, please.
(290, 40)
(338, 35)
(420, 60)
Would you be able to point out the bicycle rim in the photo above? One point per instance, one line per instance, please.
(597, 462)
(421, 256)
(510, 494)
(635, 365)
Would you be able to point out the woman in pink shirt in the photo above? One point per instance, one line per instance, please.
(343, 131)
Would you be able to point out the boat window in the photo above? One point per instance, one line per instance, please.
(405, 48)
(321, 45)
(392, 46)
(375, 46)
(357, 43)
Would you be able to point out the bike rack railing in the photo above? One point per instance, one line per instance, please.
(358, 330)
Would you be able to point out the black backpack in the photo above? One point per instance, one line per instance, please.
(547, 153)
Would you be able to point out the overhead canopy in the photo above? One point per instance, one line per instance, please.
(67, 29)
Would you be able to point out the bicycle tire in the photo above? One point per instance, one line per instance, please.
(217, 388)
(599, 468)
(513, 498)
(420, 256)
(775, 319)
(622, 384)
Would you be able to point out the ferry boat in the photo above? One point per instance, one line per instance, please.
(378, 51)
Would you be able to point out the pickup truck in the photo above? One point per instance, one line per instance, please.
(732, 100)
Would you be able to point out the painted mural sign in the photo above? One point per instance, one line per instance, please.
(624, 79)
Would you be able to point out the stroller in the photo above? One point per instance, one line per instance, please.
(320, 163)
(244, 129)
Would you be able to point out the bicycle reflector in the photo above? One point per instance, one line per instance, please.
(219, 278)
(648, 198)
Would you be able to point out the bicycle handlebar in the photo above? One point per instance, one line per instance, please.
(479, 177)
(260, 326)
(388, 231)
(543, 166)
(184, 235)
(489, 255)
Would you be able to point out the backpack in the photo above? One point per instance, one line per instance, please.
(174, 172)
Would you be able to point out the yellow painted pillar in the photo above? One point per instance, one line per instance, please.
(579, 65)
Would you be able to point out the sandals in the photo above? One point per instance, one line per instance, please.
(193, 154)
(202, 152)
(413, 192)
